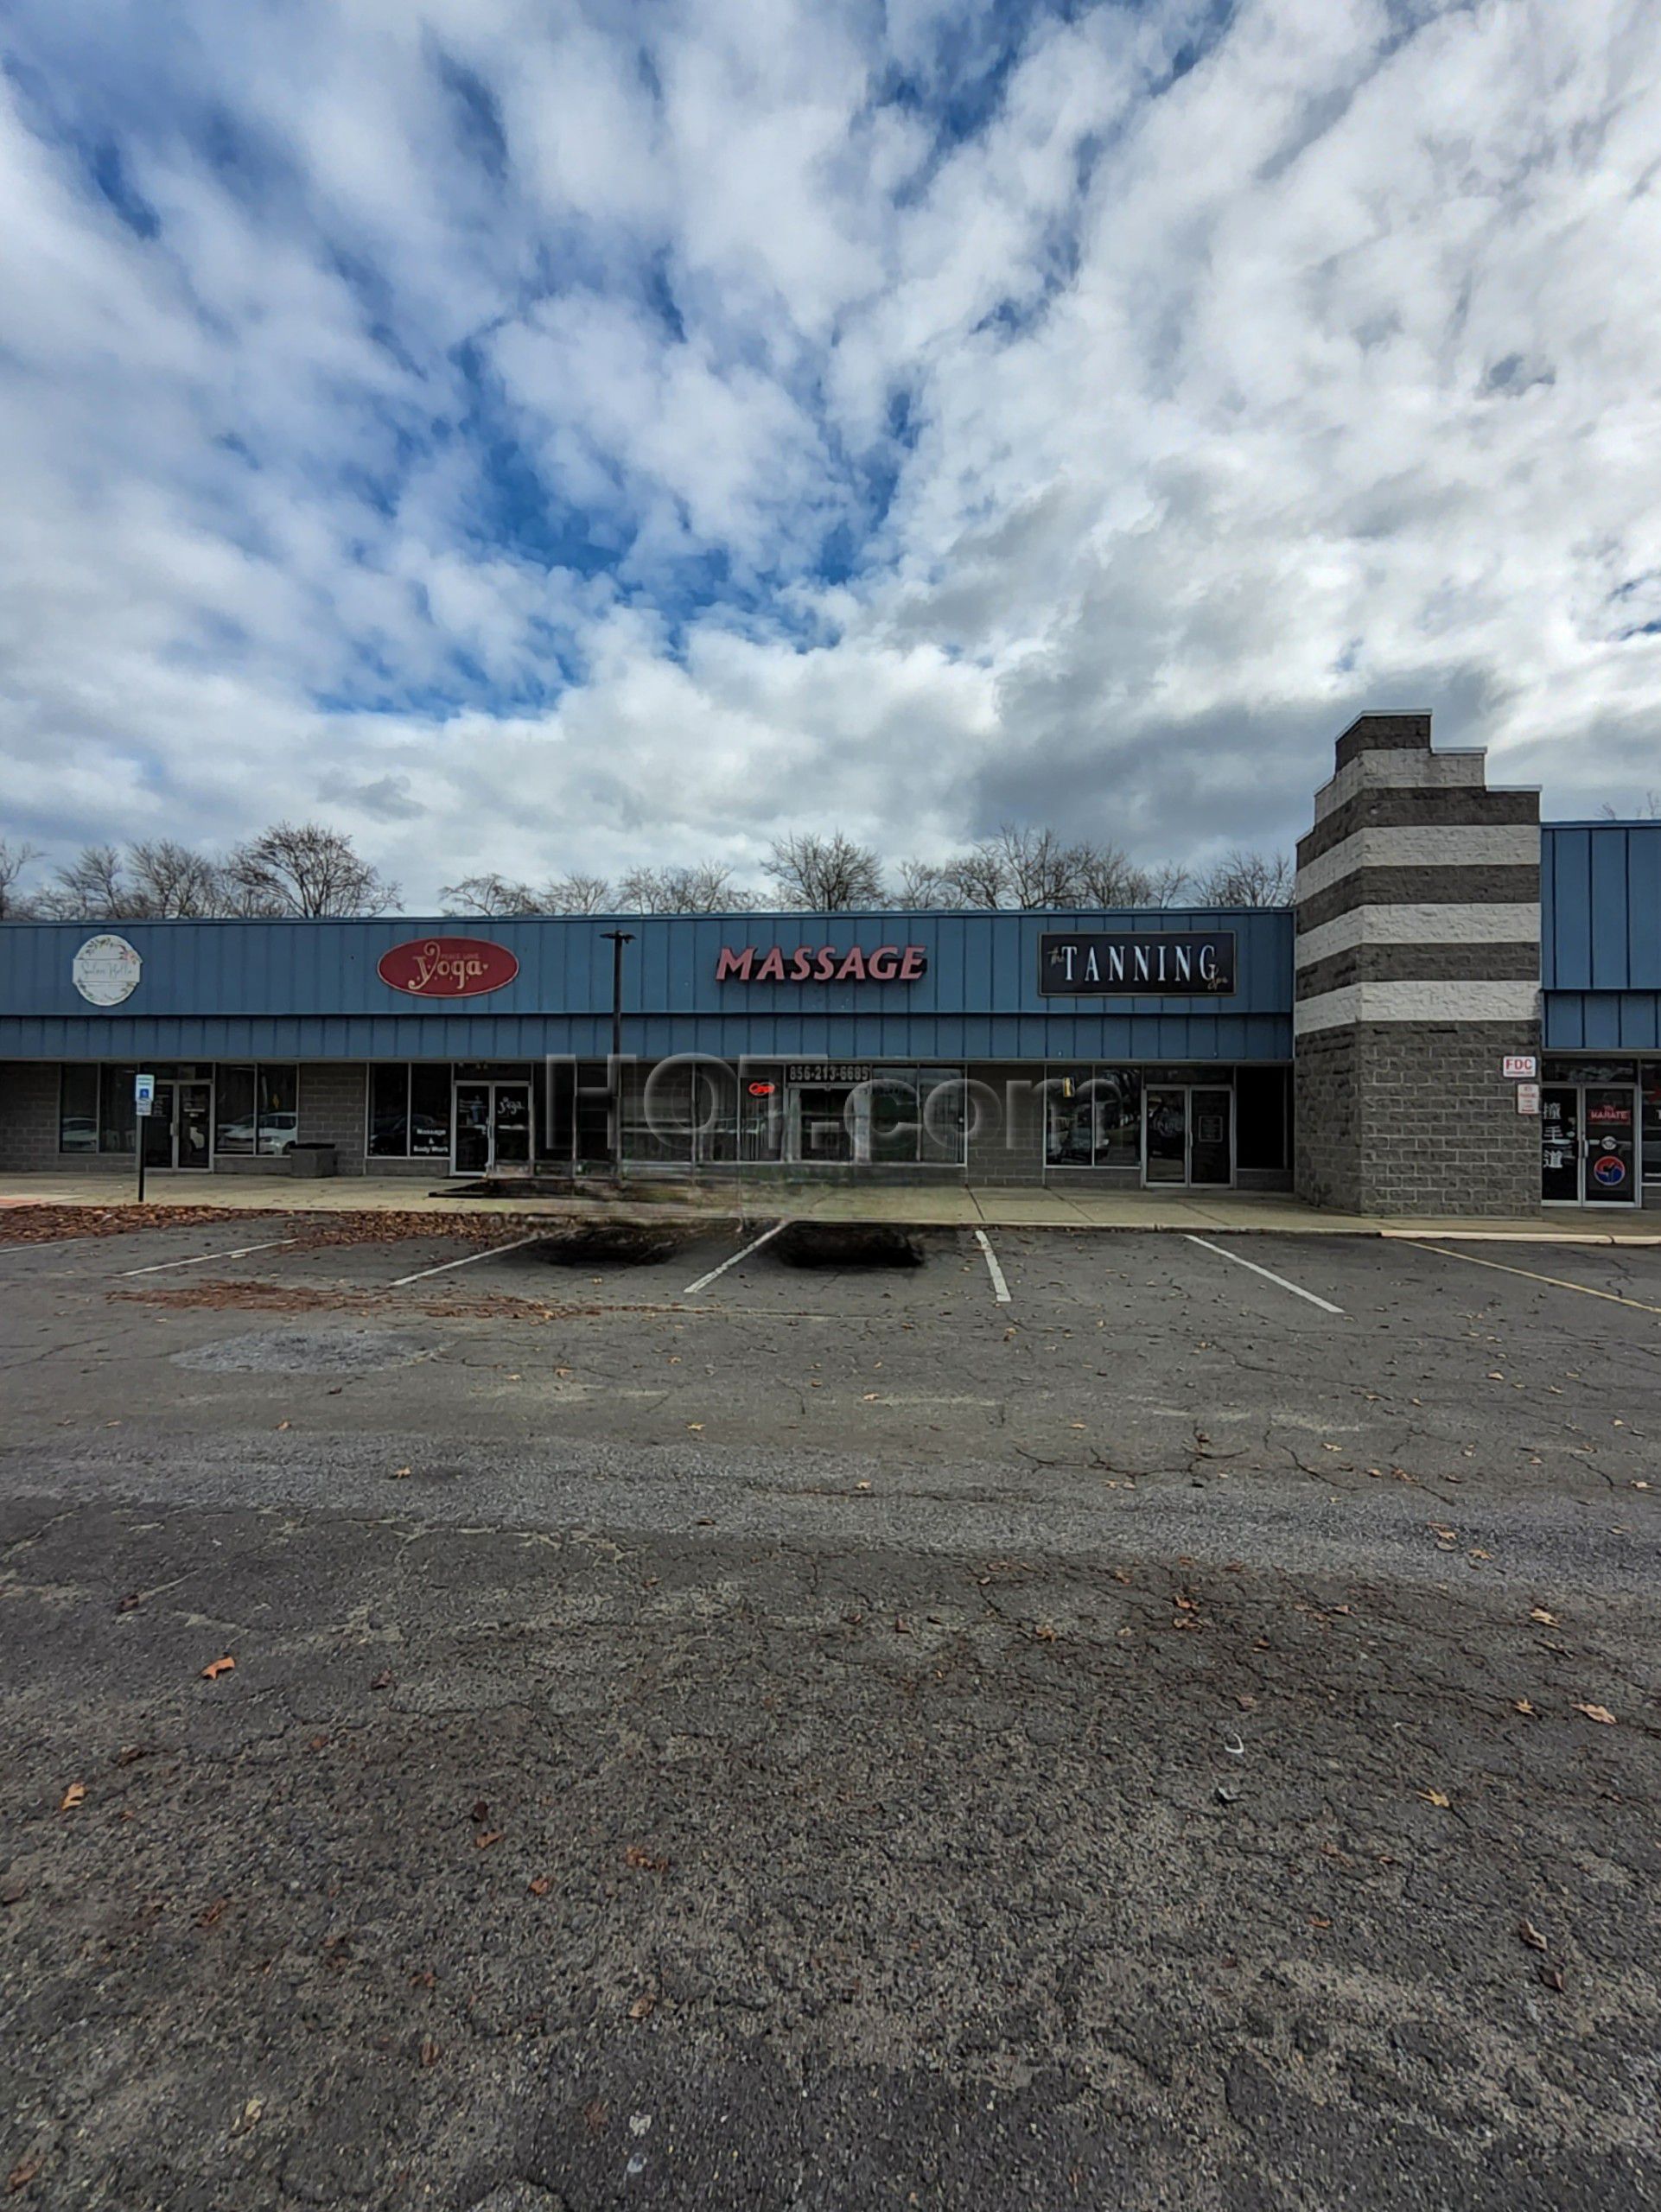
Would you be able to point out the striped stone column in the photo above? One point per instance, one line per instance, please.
(1418, 969)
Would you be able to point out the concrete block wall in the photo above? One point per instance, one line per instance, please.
(1417, 970)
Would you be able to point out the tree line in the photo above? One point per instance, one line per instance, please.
(1021, 869)
(304, 869)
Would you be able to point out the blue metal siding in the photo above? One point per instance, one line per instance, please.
(310, 991)
(1600, 931)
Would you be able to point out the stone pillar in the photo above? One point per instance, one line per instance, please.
(1418, 969)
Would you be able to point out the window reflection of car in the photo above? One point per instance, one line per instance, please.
(275, 1133)
(78, 1132)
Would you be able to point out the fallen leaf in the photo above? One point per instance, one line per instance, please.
(1319, 1920)
(213, 1913)
(636, 1855)
(538, 1886)
(1436, 1798)
(1531, 1935)
(641, 2006)
(215, 1667)
(1600, 1713)
(1552, 1976)
(1521, 1705)
(430, 2053)
(594, 2114)
(398, 1473)
(20, 2176)
(381, 1682)
(1539, 1614)
(128, 1603)
(75, 1795)
(1245, 1702)
(481, 1811)
(695, 1426)
(491, 1835)
(285, 1424)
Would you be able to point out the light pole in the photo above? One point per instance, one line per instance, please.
(618, 939)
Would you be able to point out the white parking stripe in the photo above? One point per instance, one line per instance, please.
(1268, 1275)
(45, 1244)
(159, 1266)
(703, 1281)
(537, 1236)
(1000, 1288)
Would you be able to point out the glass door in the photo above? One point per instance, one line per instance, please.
(1609, 1118)
(194, 1142)
(158, 1127)
(470, 1149)
(493, 1128)
(510, 1125)
(1165, 1135)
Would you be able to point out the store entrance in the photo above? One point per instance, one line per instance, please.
(1187, 1135)
(1588, 1144)
(178, 1131)
(491, 1128)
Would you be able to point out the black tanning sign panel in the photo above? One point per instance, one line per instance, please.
(1170, 963)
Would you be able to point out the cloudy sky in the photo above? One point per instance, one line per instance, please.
(534, 436)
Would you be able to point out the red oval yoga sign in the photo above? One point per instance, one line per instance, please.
(448, 967)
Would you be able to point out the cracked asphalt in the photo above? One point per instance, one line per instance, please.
(830, 1739)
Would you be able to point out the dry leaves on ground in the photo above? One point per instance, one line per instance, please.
(215, 1667)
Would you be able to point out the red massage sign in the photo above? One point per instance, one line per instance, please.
(822, 964)
(448, 967)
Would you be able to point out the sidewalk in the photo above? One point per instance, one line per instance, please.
(924, 1205)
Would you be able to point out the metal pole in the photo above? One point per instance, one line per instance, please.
(139, 1121)
(618, 939)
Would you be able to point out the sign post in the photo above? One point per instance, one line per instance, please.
(143, 1099)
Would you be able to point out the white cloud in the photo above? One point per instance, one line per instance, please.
(535, 449)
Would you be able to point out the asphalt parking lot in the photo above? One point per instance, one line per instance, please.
(1087, 1720)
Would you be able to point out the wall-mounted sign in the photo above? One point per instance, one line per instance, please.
(447, 966)
(1520, 1067)
(828, 1071)
(1165, 962)
(821, 963)
(105, 970)
(1528, 1097)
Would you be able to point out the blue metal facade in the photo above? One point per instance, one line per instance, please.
(230, 990)
(1600, 936)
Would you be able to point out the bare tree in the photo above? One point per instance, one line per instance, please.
(15, 859)
(1243, 877)
(922, 883)
(706, 889)
(824, 875)
(1647, 810)
(167, 880)
(93, 887)
(489, 894)
(1038, 869)
(1166, 883)
(578, 894)
(302, 868)
(978, 878)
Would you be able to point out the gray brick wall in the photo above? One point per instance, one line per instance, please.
(1394, 1117)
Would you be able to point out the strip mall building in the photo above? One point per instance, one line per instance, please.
(1460, 1014)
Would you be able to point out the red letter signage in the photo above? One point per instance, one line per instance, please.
(448, 967)
(821, 963)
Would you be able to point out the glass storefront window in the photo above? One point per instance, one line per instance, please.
(117, 1116)
(233, 1111)
(279, 1108)
(429, 1111)
(1262, 1099)
(78, 1110)
(1652, 1080)
(389, 1112)
(1562, 1071)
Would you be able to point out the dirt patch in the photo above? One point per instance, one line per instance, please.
(848, 1244)
(614, 1244)
(48, 1224)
